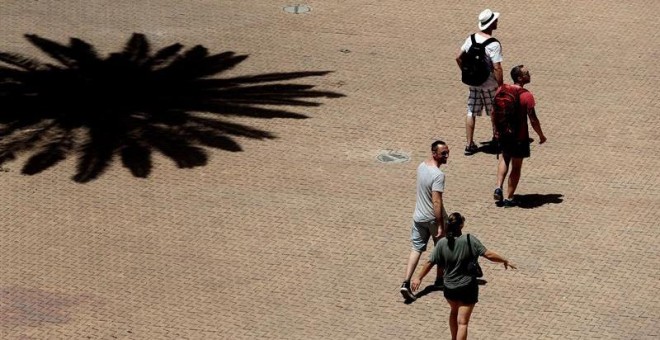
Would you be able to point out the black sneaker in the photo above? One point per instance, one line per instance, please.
(471, 149)
(497, 195)
(507, 203)
(406, 292)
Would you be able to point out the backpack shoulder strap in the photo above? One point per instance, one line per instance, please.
(519, 95)
(489, 41)
(469, 246)
(509, 90)
(474, 41)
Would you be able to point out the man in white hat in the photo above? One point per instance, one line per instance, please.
(481, 96)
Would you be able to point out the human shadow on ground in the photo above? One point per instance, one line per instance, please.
(489, 147)
(133, 102)
(427, 290)
(531, 201)
(433, 288)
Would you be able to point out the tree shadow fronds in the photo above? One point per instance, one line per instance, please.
(136, 101)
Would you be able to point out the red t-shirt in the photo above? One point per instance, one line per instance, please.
(526, 106)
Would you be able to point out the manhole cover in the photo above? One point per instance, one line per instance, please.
(297, 9)
(390, 156)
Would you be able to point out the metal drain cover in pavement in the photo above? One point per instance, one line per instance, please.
(390, 156)
(297, 9)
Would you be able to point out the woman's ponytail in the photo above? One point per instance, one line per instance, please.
(454, 223)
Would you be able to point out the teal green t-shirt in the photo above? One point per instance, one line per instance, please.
(454, 261)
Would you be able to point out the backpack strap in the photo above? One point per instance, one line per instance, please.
(469, 246)
(485, 43)
(519, 92)
(489, 41)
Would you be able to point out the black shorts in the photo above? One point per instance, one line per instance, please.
(468, 295)
(514, 149)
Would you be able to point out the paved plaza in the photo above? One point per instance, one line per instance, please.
(305, 235)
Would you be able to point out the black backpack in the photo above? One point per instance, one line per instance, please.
(475, 67)
(506, 113)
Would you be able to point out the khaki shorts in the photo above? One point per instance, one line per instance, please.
(420, 234)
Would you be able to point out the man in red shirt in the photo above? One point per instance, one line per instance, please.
(514, 151)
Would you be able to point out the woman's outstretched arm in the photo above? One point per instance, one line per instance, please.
(495, 257)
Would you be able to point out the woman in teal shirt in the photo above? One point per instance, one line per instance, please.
(461, 290)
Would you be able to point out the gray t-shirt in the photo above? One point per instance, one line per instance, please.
(429, 179)
(454, 261)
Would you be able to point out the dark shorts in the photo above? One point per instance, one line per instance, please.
(514, 149)
(468, 295)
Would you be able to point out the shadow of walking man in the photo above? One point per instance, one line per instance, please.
(433, 288)
(531, 201)
(132, 102)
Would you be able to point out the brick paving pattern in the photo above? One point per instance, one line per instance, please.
(306, 236)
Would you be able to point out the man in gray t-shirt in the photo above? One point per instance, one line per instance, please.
(430, 216)
(429, 179)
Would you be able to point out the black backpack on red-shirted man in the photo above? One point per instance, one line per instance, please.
(505, 113)
(475, 68)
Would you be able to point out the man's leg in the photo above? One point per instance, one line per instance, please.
(405, 289)
(502, 170)
(439, 272)
(474, 108)
(419, 236)
(413, 259)
(438, 283)
(489, 98)
(470, 122)
(514, 177)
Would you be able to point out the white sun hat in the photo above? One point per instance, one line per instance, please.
(486, 18)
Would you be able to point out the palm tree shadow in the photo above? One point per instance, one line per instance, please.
(531, 201)
(134, 102)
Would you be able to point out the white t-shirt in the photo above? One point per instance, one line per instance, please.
(429, 179)
(494, 53)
